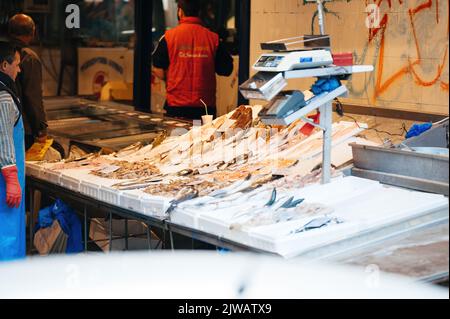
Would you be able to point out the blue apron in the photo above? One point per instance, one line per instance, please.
(12, 220)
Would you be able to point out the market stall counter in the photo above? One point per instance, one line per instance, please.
(240, 184)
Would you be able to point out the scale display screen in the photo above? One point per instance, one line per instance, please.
(269, 61)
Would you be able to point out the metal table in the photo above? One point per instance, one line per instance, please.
(86, 204)
(422, 254)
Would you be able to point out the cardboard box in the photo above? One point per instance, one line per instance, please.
(99, 232)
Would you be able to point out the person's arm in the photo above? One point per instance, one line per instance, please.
(31, 86)
(8, 166)
(224, 61)
(159, 73)
(160, 58)
(7, 121)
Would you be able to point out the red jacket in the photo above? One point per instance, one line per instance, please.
(191, 74)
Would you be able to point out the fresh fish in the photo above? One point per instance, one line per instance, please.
(182, 196)
(288, 203)
(272, 198)
(233, 188)
(291, 203)
(317, 223)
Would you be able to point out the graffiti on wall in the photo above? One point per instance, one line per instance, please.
(412, 66)
(424, 59)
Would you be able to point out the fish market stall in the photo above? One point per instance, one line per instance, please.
(240, 184)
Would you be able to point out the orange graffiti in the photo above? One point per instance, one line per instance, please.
(381, 87)
(422, 82)
(437, 11)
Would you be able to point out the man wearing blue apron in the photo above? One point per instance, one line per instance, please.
(12, 159)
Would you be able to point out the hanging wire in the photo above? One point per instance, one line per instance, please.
(340, 111)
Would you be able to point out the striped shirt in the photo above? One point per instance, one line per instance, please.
(9, 114)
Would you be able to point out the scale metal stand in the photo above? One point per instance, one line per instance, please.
(287, 62)
(323, 103)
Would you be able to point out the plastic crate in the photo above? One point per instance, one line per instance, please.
(155, 206)
(131, 200)
(90, 189)
(33, 169)
(109, 195)
(71, 183)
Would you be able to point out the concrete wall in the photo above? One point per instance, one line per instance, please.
(409, 50)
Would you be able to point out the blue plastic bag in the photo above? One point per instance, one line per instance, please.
(325, 85)
(67, 219)
(418, 129)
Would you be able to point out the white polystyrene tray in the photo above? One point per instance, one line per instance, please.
(91, 184)
(218, 222)
(33, 169)
(156, 206)
(90, 189)
(341, 189)
(71, 183)
(368, 212)
(72, 178)
(131, 200)
(187, 215)
(50, 176)
(80, 179)
(109, 195)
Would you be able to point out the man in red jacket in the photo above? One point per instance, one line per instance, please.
(188, 58)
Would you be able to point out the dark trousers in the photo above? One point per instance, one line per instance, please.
(29, 141)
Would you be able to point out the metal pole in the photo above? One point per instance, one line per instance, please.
(149, 237)
(326, 120)
(243, 16)
(171, 240)
(126, 234)
(110, 231)
(142, 55)
(321, 17)
(85, 230)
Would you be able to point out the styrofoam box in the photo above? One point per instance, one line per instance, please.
(69, 182)
(90, 185)
(187, 215)
(33, 169)
(131, 200)
(90, 189)
(218, 221)
(80, 180)
(50, 176)
(374, 210)
(156, 206)
(71, 178)
(109, 195)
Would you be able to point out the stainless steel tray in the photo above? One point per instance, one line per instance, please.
(402, 168)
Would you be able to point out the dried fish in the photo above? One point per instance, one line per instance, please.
(129, 150)
(128, 170)
(138, 184)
